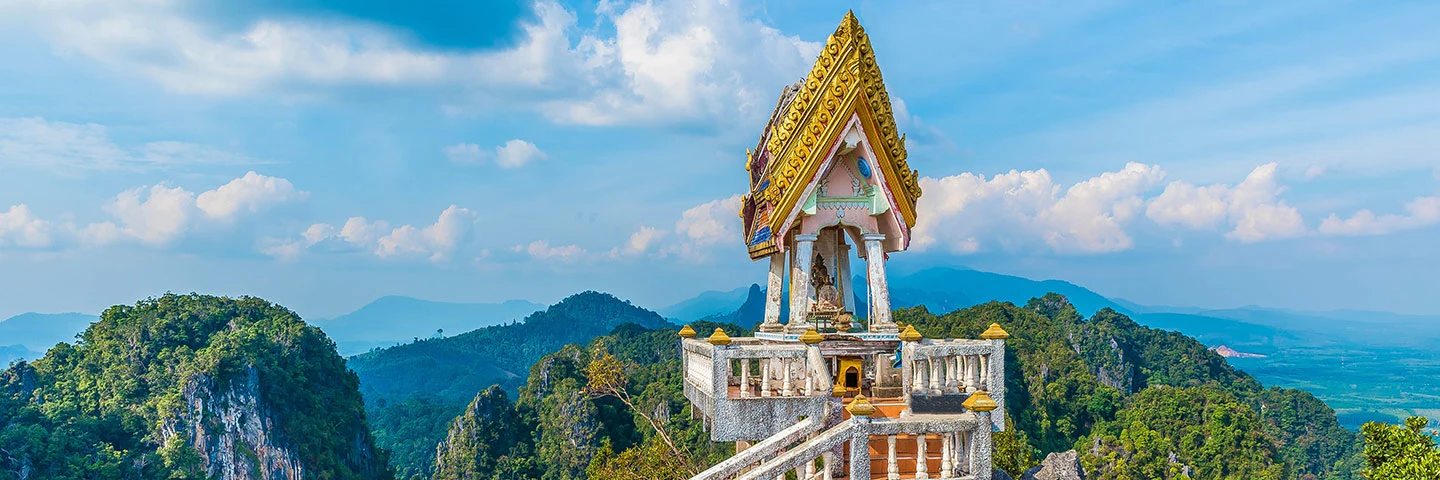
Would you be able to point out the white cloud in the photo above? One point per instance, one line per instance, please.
(161, 214)
(542, 250)
(711, 222)
(436, 242)
(512, 154)
(251, 193)
(1252, 207)
(516, 153)
(1257, 211)
(359, 231)
(20, 228)
(1420, 212)
(645, 62)
(154, 216)
(1184, 204)
(699, 229)
(641, 242)
(317, 233)
(64, 147)
(965, 213)
(465, 153)
(1091, 216)
(1315, 171)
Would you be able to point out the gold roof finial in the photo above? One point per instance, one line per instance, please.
(811, 337)
(861, 407)
(995, 333)
(719, 337)
(910, 334)
(980, 402)
(687, 332)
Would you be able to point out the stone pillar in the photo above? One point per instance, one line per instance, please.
(800, 284)
(996, 389)
(842, 272)
(981, 449)
(828, 464)
(860, 449)
(775, 283)
(907, 371)
(879, 290)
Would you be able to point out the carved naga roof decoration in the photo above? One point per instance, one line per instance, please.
(808, 120)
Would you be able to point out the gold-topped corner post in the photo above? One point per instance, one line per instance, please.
(980, 402)
(811, 337)
(719, 338)
(910, 334)
(860, 407)
(995, 333)
(687, 332)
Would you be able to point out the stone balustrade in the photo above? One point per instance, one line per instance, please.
(953, 368)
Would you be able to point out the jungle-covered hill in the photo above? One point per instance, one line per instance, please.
(1135, 402)
(187, 387)
(1141, 403)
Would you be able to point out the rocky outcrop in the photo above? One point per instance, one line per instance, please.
(478, 439)
(232, 431)
(1057, 466)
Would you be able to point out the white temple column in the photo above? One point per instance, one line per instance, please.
(774, 285)
(842, 272)
(879, 290)
(800, 284)
(827, 248)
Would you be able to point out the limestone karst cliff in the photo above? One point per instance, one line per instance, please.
(188, 386)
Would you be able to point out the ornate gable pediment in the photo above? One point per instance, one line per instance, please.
(807, 125)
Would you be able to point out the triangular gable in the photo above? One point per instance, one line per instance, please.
(809, 119)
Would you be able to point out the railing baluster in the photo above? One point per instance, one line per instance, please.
(786, 388)
(892, 464)
(946, 452)
(921, 469)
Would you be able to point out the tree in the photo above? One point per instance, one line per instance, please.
(1400, 452)
(606, 377)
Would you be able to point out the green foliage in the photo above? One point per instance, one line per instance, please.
(454, 368)
(1403, 452)
(1067, 377)
(112, 405)
(1164, 430)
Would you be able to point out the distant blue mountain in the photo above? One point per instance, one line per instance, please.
(37, 332)
(706, 304)
(394, 319)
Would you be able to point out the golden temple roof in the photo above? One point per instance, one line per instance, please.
(808, 120)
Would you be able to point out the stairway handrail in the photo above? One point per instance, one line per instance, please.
(767, 448)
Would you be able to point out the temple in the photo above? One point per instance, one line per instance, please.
(837, 389)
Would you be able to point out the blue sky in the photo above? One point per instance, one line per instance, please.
(321, 154)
